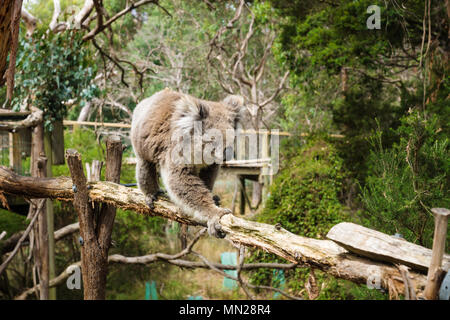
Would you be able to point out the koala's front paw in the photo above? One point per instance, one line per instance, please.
(215, 229)
(150, 199)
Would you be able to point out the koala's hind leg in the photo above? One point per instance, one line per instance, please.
(147, 179)
(189, 192)
(209, 175)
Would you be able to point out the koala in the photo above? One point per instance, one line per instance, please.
(167, 114)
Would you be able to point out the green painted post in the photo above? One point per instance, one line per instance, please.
(278, 281)
(150, 291)
(229, 258)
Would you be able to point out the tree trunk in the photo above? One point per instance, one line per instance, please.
(6, 13)
(95, 230)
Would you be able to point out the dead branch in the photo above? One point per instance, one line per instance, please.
(102, 26)
(211, 266)
(325, 255)
(10, 243)
(30, 21)
(160, 257)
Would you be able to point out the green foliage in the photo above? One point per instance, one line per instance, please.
(304, 199)
(11, 222)
(51, 70)
(404, 182)
(85, 142)
(349, 74)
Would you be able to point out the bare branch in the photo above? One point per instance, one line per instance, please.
(102, 26)
(229, 25)
(30, 21)
(277, 91)
(56, 14)
(22, 238)
(206, 261)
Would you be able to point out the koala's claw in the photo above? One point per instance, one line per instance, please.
(151, 198)
(215, 229)
(160, 192)
(216, 199)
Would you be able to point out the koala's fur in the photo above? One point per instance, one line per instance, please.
(155, 120)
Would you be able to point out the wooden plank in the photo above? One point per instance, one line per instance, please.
(15, 159)
(11, 115)
(382, 247)
(96, 124)
(243, 132)
(241, 171)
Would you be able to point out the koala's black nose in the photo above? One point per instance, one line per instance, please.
(228, 153)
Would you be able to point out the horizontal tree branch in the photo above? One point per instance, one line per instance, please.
(325, 255)
(9, 244)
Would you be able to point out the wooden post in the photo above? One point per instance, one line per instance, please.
(15, 159)
(95, 230)
(38, 169)
(50, 215)
(236, 188)
(57, 142)
(242, 197)
(43, 240)
(440, 236)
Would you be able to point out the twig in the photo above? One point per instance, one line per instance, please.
(239, 269)
(25, 234)
(211, 266)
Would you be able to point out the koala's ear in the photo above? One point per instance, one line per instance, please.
(188, 110)
(235, 102)
(236, 105)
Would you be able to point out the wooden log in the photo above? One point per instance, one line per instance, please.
(325, 255)
(380, 246)
(435, 274)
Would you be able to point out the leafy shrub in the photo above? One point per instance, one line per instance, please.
(11, 222)
(404, 182)
(304, 199)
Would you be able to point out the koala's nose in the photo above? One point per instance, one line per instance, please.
(228, 153)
